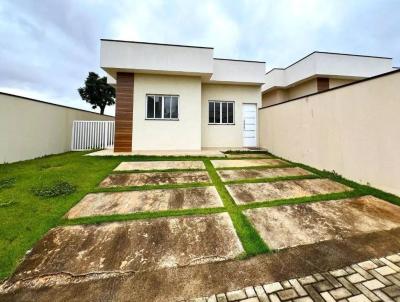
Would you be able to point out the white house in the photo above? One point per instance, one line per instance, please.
(178, 97)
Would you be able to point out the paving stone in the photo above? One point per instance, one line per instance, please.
(393, 258)
(361, 271)
(254, 299)
(262, 296)
(306, 280)
(356, 278)
(303, 299)
(327, 297)
(159, 165)
(286, 284)
(332, 280)
(140, 245)
(313, 293)
(272, 287)
(269, 191)
(156, 178)
(233, 163)
(340, 293)
(213, 298)
(367, 292)
(385, 270)
(250, 292)
(287, 294)
(338, 273)
(367, 265)
(394, 280)
(308, 223)
(390, 264)
(383, 296)
(246, 155)
(237, 174)
(373, 284)
(236, 295)
(359, 298)
(380, 278)
(274, 298)
(112, 203)
(323, 286)
(349, 270)
(392, 291)
(297, 286)
(221, 298)
(350, 287)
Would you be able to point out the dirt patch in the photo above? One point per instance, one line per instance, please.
(292, 225)
(233, 163)
(257, 192)
(159, 165)
(156, 178)
(134, 246)
(140, 201)
(228, 175)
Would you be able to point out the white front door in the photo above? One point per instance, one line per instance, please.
(249, 125)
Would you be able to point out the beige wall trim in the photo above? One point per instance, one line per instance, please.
(334, 88)
(352, 130)
(30, 128)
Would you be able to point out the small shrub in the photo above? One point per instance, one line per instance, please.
(60, 188)
(7, 182)
(7, 203)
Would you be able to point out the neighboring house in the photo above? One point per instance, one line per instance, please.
(317, 72)
(177, 97)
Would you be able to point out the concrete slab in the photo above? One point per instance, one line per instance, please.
(206, 152)
(269, 191)
(155, 178)
(292, 225)
(140, 201)
(247, 155)
(233, 163)
(160, 165)
(229, 175)
(134, 246)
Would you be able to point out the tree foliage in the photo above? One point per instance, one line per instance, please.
(97, 92)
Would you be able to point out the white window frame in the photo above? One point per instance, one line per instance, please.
(220, 112)
(163, 96)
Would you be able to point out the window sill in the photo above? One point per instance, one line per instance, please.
(221, 124)
(162, 119)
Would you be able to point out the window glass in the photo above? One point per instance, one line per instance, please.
(211, 112)
(150, 106)
(230, 113)
(217, 112)
(224, 112)
(158, 107)
(167, 107)
(174, 107)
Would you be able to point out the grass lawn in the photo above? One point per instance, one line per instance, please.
(26, 217)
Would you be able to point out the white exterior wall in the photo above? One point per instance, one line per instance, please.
(30, 129)
(239, 72)
(143, 57)
(353, 130)
(330, 65)
(184, 134)
(226, 135)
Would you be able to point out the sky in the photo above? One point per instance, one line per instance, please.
(47, 47)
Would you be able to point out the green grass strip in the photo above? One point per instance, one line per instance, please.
(251, 240)
(362, 189)
(270, 179)
(299, 200)
(151, 187)
(142, 215)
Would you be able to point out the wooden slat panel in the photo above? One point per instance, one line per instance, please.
(124, 112)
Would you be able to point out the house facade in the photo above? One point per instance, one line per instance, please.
(178, 97)
(317, 72)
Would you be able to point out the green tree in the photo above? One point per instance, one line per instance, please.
(97, 92)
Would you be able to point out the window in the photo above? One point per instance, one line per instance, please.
(162, 107)
(220, 112)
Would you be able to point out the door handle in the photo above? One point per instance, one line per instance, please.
(244, 124)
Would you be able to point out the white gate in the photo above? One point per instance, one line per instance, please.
(87, 135)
